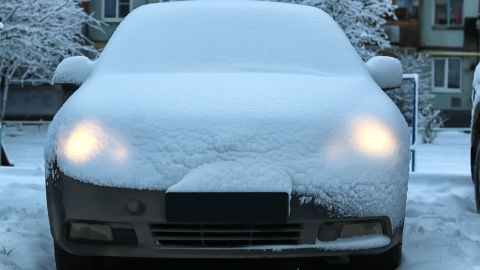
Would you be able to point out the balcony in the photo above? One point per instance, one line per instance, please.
(404, 33)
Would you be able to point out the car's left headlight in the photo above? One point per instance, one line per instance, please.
(89, 139)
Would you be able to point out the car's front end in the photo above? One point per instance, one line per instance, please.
(287, 151)
(90, 220)
(300, 184)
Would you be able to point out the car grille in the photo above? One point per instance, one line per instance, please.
(225, 235)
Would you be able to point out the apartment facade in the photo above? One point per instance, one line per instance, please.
(446, 32)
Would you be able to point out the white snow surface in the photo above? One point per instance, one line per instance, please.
(190, 126)
(387, 71)
(229, 36)
(238, 96)
(2, 26)
(250, 176)
(25, 239)
(441, 226)
(73, 70)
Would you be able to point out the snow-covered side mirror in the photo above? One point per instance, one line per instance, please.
(386, 71)
(73, 70)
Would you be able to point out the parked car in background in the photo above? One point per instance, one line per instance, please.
(228, 130)
(475, 149)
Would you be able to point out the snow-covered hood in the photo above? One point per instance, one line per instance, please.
(236, 132)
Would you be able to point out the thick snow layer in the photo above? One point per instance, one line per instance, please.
(238, 96)
(180, 126)
(73, 70)
(441, 230)
(387, 71)
(229, 36)
(244, 176)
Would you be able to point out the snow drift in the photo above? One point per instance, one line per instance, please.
(242, 96)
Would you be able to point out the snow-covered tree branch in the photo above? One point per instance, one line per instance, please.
(429, 118)
(36, 35)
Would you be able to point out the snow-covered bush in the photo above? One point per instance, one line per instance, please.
(429, 118)
(36, 35)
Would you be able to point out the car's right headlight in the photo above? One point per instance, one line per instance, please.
(365, 135)
(372, 138)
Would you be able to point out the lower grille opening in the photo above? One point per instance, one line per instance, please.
(225, 235)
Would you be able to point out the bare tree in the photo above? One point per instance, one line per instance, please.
(35, 36)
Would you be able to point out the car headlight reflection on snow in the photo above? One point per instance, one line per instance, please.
(373, 138)
(87, 140)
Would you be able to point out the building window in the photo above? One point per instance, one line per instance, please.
(447, 74)
(448, 12)
(115, 9)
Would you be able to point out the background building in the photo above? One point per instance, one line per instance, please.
(446, 32)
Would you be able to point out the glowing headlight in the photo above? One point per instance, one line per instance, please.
(372, 138)
(87, 140)
(82, 143)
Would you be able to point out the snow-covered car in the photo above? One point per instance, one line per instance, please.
(227, 130)
(475, 136)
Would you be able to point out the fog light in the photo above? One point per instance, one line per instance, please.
(91, 232)
(359, 229)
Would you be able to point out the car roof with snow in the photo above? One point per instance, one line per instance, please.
(229, 36)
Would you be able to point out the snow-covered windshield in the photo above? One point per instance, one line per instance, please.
(239, 36)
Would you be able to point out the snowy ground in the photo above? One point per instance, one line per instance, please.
(442, 230)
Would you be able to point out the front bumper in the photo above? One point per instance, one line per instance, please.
(71, 200)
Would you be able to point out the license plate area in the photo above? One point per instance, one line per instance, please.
(234, 207)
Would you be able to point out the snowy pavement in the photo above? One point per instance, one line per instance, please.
(25, 241)
(442, 230)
